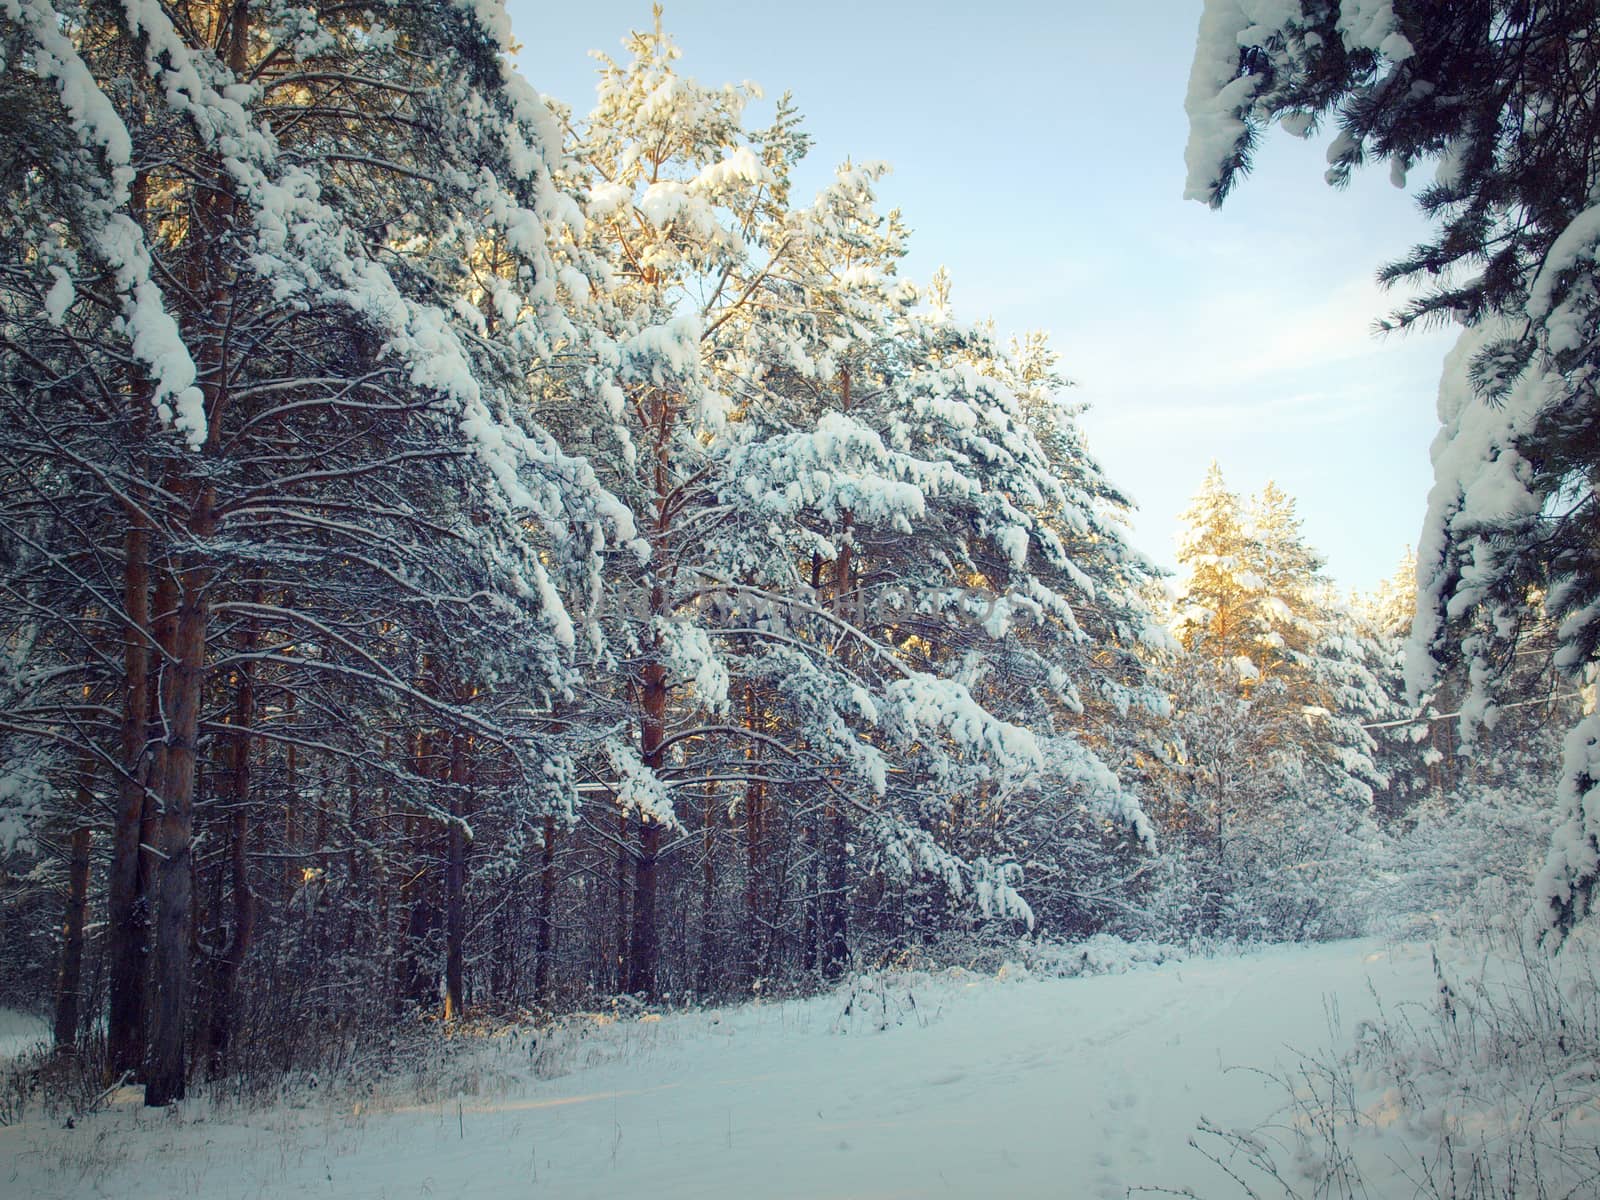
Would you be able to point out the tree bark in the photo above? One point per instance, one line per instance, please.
(544, 946)
(167, 1075)
(811, 932)
(419, 982)
(127, 915)
(755, 867)
(455, 919)
(624, 879)
(214, 214)
(69, 990)
(755, 873)
(708, 892)
(219, 1034)
(835, 931)
(644, 945)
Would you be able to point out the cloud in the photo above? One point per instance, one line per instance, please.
(1234, 339)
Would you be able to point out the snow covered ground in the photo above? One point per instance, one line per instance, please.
(900, 1086)
(21, 1032)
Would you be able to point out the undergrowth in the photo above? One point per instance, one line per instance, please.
(1488, 1091)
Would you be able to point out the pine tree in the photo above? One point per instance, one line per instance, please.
(1273, 723)
(1286, 571)
(1497, 95)
(1219, 608)
(1414, 746)
(310, 468)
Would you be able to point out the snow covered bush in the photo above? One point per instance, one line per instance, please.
(1466, 852)
(1469, 857)
(1265, 847)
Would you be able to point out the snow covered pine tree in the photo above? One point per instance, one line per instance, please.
(274, 378)
(1498, 95)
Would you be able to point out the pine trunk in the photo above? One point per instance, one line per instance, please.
(835, 931)
(455, 919)
(69, 990)
(754, 874)
(166, 1079)
(644, 945)
(708, 893)
(810, 934)
(544, 946)
(220, 1020)
(620, 924)
(418, 981)
(127, 912)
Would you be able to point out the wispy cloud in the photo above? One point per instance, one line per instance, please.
(1217, 345)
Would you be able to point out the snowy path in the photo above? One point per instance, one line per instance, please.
(1059, 1088)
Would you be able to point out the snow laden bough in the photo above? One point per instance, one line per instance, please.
(306, 249)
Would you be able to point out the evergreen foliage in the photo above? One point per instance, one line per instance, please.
(460, 555)
(1498, 96)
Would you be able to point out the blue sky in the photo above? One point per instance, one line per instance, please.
(1038, 153)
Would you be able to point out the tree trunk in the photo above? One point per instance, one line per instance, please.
(644, 945)
(164, 632)
(544, 946)
(455, 919)
(181, 707)
(708, 893)
(835, 931)
(419, 984)
(810, 934)
(291, 805)
(69, 990)
(383, 821)
(620, 925)
(219, 1033)
(755, 870)
(835, 833)
(127, 913)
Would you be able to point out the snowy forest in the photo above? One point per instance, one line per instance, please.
(470, 557)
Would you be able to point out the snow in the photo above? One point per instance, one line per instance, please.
(689, 655)
(741, 166)
(60, 297)
(117, 240)
(1371, 25)
(1013, 541)
(21, 1033)
(1226, 108)
(1576, 244)
(1021, 1083)
(637, 787)
(1214, 98)
(925, 702)
(492, 16)
(25, 793)
(1574, 852)
(1479, 485)
(94, 117)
